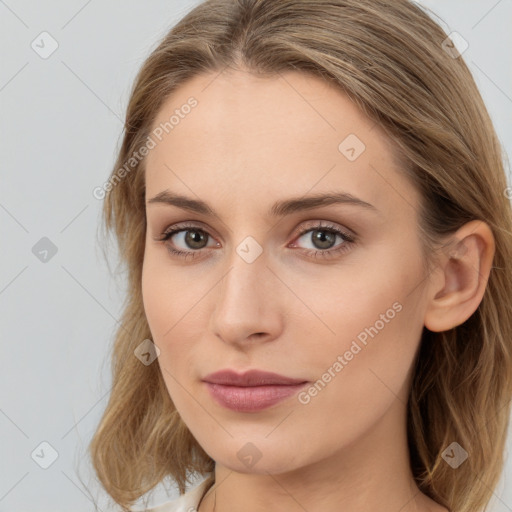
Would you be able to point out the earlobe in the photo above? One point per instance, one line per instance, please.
(457, 285)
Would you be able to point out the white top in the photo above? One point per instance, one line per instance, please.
(187, 502)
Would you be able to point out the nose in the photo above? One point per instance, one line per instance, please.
(247, 306)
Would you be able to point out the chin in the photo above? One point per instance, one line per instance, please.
(256, 456)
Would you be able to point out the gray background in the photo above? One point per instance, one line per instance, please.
(59, 131)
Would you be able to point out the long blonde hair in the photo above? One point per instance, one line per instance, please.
(396, 63)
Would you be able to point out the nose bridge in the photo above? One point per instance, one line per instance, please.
(245, 282)
(244, 303)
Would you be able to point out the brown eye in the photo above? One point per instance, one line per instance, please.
(186, 240)
(323, 239)
(195, 239)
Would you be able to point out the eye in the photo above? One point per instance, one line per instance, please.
(323, 237)
(189, 236)
(193, 240)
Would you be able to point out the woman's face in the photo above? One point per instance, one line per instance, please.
(267, 282)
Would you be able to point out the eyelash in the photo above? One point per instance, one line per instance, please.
(348, 240)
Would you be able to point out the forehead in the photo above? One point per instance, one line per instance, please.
(248, 137)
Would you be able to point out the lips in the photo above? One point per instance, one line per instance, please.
(250, 378)
(251, 391)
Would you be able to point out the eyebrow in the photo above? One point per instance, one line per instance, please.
(278, 209)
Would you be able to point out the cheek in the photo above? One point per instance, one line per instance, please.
(156, 297)
(167, 295)
(376, 321)
(173, 312)
(357, 382)
(355, 304)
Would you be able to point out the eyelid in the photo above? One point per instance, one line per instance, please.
(183, 226)
(327, 225)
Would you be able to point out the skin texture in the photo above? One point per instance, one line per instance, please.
(250, 142)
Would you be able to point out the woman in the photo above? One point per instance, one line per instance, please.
(310, 201)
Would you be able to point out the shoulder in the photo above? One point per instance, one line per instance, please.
(187, 502)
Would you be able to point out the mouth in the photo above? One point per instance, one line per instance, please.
(251, 391)
(251, 398)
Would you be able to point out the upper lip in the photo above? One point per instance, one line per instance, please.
(250, 378)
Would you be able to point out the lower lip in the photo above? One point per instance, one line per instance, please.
(251, 398)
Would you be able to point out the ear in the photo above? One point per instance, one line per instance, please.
(457, 285)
